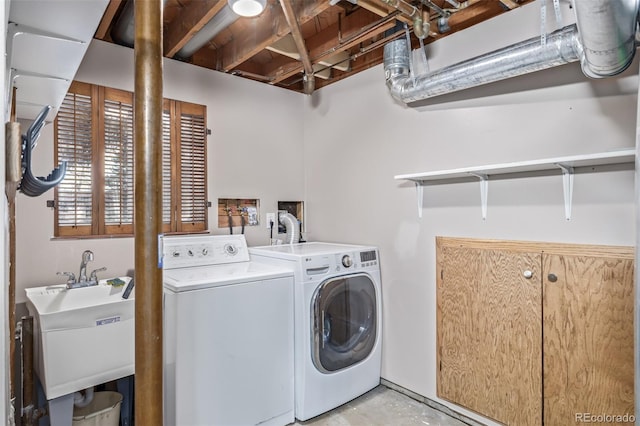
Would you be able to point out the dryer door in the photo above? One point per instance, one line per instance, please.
(344, 322)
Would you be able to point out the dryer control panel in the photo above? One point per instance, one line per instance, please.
(202, 250)
(315, 267)
(356, 260)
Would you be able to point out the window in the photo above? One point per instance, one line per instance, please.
(94, 134)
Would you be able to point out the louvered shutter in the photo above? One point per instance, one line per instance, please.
(118, 161)
(167, 164)
(94, 134)
(74, 214)
(193, 177)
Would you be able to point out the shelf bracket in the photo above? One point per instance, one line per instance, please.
(567, 188)
(484, 190)
(419, 195)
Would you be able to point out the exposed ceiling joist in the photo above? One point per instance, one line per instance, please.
(339, 38)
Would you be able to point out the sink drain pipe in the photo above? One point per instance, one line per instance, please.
(84, 398)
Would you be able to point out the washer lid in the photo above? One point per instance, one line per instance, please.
(186, 279)
(294, 251)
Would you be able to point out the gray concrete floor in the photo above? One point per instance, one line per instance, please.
(385, 407)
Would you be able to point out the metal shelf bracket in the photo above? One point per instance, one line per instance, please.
(484, 190)
(567, 188)
(419, 195)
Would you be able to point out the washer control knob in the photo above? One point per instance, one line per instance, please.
(347, 261)
(176, 253)
(205, 251)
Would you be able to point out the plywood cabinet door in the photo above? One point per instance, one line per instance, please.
(588, 337)
(536, 333)
(490, 333)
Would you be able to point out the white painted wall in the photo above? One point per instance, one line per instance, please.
(357, 138)
(255, 151)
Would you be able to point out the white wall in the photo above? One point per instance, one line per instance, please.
(357, 138)
(255, 151)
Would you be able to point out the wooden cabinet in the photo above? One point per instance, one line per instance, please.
(534, 333)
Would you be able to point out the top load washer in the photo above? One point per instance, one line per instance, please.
(228, 335)
(338, 321)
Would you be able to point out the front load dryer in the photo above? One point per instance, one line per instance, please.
(228, 335)
(338, 321)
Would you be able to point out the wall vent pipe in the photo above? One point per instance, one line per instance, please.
(292, 226)
(607, 29)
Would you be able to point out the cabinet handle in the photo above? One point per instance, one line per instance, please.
(527, 274)
(552, 278)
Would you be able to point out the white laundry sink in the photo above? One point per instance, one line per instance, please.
(83, 336)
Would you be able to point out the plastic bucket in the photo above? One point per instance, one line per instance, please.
(104, 410)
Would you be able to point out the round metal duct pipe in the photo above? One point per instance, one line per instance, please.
(525, 57)
(607, 32)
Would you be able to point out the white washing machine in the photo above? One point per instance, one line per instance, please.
(228, 335)
(338, 321)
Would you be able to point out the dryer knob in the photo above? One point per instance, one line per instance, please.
(346, 261)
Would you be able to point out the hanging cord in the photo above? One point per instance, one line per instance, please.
(242, 221)
(271, 231)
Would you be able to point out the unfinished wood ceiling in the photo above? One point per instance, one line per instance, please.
(329, 39)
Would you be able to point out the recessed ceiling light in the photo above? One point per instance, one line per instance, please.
(247, 8)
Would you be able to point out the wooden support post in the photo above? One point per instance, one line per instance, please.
(28, 402)
(12, 179)
(148, 212)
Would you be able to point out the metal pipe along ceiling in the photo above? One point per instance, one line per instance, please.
(603, 40)
(123, 31)
(222, 20)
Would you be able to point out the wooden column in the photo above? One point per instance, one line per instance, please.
(12, 179)
(148, 211)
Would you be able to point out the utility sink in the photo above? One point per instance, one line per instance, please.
(83, 336)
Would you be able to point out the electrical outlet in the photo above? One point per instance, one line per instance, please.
(271, 217)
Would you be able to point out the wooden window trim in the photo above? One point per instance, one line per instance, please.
(98, 227)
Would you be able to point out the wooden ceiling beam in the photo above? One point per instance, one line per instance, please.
(354, 30)
(269, 27)
(195, 16)
(511, 4)
(107, 19)
(474, 14)
(290, 15)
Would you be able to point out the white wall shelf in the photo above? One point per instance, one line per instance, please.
(568, 166)
(46, 41)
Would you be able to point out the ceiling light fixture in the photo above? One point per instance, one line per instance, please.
(247, 8)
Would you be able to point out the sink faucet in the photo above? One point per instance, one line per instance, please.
(87, 256)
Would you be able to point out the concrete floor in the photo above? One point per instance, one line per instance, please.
(385, 407)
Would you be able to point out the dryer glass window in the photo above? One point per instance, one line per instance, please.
(344, 323)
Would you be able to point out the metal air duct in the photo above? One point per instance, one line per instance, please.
(607, 31)
(528, 56)
(222, 20)
(123, 31)
(603, 40)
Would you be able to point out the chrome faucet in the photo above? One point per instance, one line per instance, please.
(87, 256)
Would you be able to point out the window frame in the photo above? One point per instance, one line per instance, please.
(98, 227)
